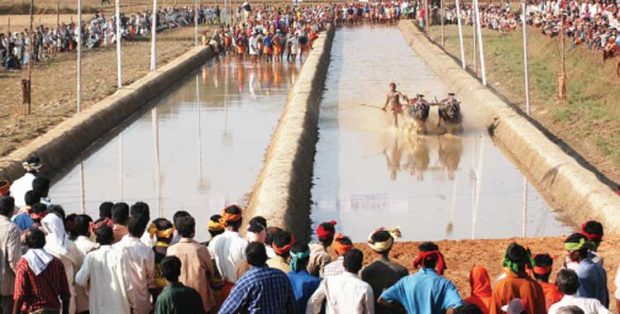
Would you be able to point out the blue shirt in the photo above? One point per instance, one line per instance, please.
(304, 286)
(424, 292)
(261, 290)
(23, 221)
(592, 281)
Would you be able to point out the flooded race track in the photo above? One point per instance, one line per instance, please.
(367, 174)
(200, 148)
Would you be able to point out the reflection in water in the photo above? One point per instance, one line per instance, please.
(200, 148)
(368, 175)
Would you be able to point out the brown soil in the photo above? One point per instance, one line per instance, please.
(462, 255)
(54, 84)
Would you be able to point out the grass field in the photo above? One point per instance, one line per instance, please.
(587, 120)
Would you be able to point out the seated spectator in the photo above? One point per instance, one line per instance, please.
(176, 298)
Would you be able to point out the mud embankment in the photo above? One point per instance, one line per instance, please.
(565, 183)
(63, 144)
(282, 191)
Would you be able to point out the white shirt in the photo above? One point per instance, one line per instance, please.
(345, 293)
(20, 187)
(84, 245)
(589, 306)
(141, 271)
(108, 271)
(228, 250)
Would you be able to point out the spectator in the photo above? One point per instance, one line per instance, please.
(10, 253)
(282, 243)
(215, 226)
(481, 291)
(426, 291)
(592, 277)
(81, 231)
(176, 298)
(120, 214)
(197, 270)
(40, 279)
(162, 230)
(383, 273)
(302, 282)
(110, 266)
(568, 282)
(593, 231)
(517, 284)
(261, 287)
(141, 263)
(342, 244)
(318, 252)
(22, 219)
(42, 185)
(32, 165)
(543, 266)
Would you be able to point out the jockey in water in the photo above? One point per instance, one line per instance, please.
(393, 99)
(419, 111)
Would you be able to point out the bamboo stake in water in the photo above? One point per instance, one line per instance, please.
(460, 27)
(154, 37)
(481, 48)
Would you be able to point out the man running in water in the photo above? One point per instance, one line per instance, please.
(393, 99)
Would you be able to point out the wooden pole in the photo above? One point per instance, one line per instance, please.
(474, 56)
(443, 33)
(481, 43)
(155, 125)
(154, 37)
(460, 27)
(196, 23)
(562, 91)
(119, 65)
(58, 13)
(29, 85)
(528, 108)
(9, 24)
(79, 56)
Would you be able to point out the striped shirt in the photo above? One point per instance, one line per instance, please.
(10, 253)
(334, 268)
(42, 291)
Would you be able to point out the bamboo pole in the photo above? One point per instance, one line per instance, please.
(196, 23)
(481, 43)
(154, 37)
(79, 57)
(460, 27)
(562, 91)
(58, 13)
(155, 125)
(119, 65)
(528, 108)
(443, 33)
(29, 83)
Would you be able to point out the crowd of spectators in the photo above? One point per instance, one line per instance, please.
(126, 262)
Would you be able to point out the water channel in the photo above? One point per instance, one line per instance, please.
(435, 187)
(200, 148)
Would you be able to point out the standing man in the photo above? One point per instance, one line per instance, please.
(282, 243)
(302, 282)
(176, 298)
(197, 271)
(32, 165)
(40, 280)
(383, 273)
(120, 214)
(568, 283)
(342, 244)
(543, 266)
(141, 264)
(427, 291)
(10, 253)
(393, 99)
(318, 251)
(261, 289)
(592, 276)
(345, 293)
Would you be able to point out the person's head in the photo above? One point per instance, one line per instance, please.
(171, 268)
(178, 214)
(186, 227)
(37, 212)
(300, 256)
(353, 260)
(32, 197)
(81, 226)
(256, 232)
(593, 231)
(282, 243)
(382, 240)
(567, 281)
(104, 235)
(7, 206)
(577, 247)
(342, 244)
(467, 308)
(41, 185)
(232, 217)
(392, 86)
(271, 233)
(258, 220)
(543, 265)
(57, 210)
(140, 209)
(570, 309)
(256, 254)
(431, 260)
(5, 188)
(517, 258)
(32, 164)
(480, 282)
(450, 96)
(105, 210)
(162, 229)
(120, 213)
(325, 233)
(136, 225)
(35, 239)
(215, 226)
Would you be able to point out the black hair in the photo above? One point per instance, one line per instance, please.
(69, 221)
(256, 227)
(105, 210)
(140, 209)
(32, 197)
(81, 226)
(186, 226)
(57, 210)
(281, 239)
(38, 208)
(256, 254)
(136, 225)
(543, 260)
(271, 233)
(179, 214)
(171, 268)
(42, 185)
(353, 260)
(104, 235)
(594, 227)
(567, 281)
(35, 239)
(467, 308)
(7, 205)
(234, 210)
(576, 238)
(380, 236)
(258, 219)
(120, 213)
(570, 309)
(429, 262)
(519, 255)
(33, 159)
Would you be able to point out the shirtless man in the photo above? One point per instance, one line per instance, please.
(393, 99)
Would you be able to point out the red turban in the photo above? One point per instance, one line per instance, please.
(324, 234)
(590, 236)
(428, 256)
